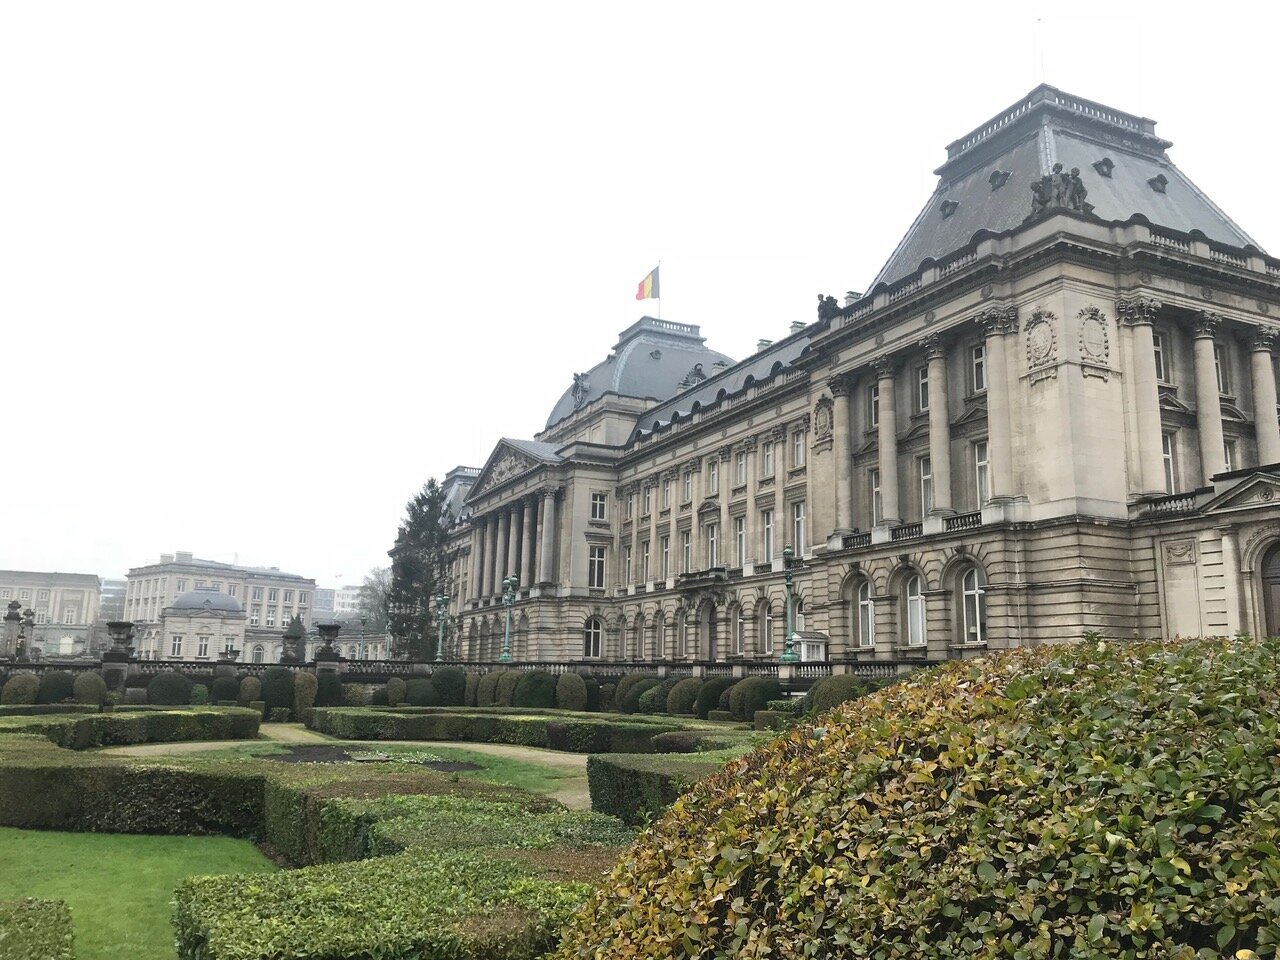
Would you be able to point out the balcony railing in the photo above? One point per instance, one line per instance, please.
(906, 531)
(963, 521)
(855, 541)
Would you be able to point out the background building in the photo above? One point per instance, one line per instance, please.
(322, 609)
(65, 606)
(111, 600)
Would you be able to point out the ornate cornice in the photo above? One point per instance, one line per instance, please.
(1206, 324)
(1138, 310)
(998, 320)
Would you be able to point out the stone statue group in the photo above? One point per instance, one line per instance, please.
(1059, 189)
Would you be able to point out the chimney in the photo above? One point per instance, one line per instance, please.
(183, 556)
(851, 297)
(720, 365)
(763, 344)
(797, 326)
(166, 558)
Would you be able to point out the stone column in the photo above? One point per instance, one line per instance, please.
(1139, 314)
(500, 550)
(888, 439)
(529, 512)
(547, 549)
(998, 323)
(653, 530)
(477, 536)
(750, 519)
(781, 528)
(939, 424)
(490, 555)
(638, 493)
(673, 529)
(727, 478)
(1208, 406)
(841, 436)
(1231, 576)
(1265, 420)
(514, 518)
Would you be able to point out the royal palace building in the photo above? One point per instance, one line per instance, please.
(1054, 412)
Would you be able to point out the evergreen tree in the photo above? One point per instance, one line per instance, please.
(419, 571)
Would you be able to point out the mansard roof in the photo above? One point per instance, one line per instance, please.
(985, 184)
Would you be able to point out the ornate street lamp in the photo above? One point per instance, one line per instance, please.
(362, 623)
(789, 654)
(442, 614)
(509, 585)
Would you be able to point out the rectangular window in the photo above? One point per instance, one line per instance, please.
(69, 613)
(648, 501)
(271, 617)
(42, 615)
(799, 529)
(182, 586)
(664, 546)
(877, 503)
(873, 405)
(740, 468)
(630, 504)
(688, 486)
(42, 594)
(713, 545)
(231, 589)
(926, 485)
(766, 523)
(686, 551)
(644, 561)
(713, 477)
(257, 592)
(597, 506)
(1220, 365)
(202, 646)
(740, 539)
(273, 595)
(595, 568)
(922, 388)
(255, 616)
(666, 493)
(1161, 347)
(304, 598)
(766, 459)
(1228, 458)
(981, 472)
(1167, 454)
(288, 596)
(978, 367)
(200, 584)
(626, 565)
(799, 441)
(175, 645)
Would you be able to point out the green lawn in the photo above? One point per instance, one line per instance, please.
(118, 886)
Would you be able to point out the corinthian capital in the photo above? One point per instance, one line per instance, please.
(1139, 310)
(932, 347)
(840, 385)
(998, 320)
(884, 367)
(1206, 324)
(1263, 340)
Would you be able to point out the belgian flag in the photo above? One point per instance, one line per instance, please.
(648, 289)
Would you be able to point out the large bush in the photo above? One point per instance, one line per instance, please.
(353, 695)
(305, 687)
(626, 683)
(708, 697)
(1100, 800)
(451, 686)
(329, 692)
(629, 702)
(473, 684)
(397, 689)
(21, 688)
(56, 686)
(507, 681)
(571, 692)
(421, 692)
(277, 688)
(225, 688)
(664, 692)
(36, 930)
(487, 689)
(829, 692)
(250, 690)
(89, 688)
(683, 696)
(594, 694)
(752, 694)
(537, 688)
(169, 689)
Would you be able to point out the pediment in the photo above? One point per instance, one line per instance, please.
(1170, 401)
(506, 463)
(1252, 493)
(973, 410)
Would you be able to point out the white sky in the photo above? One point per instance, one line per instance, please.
(267, 266)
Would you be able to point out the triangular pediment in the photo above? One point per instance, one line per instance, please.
(975, 409)
(1170, 401)
(1253, 492)
(511, 459)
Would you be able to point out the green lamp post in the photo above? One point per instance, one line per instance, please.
(442, 613)
(509, 585)
(789, 654)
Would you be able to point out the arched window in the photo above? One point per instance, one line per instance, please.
(915, 612)
(865, 622)
(739, 631)
(797, 615)
(592, 637)
(637, 644)
(767, 627)
(258, 653)
(973, 605)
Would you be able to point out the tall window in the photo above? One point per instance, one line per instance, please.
(1220, 365)
(665, 559)
(598, 506)
(713, 546)
(69, 613)
(666, 492)
(592, 637)
(740, 539)
(257, 592)
(926, 485)
(626, 565)
(648, 501)
(631, 500)
(915, 612)
(288, 595)
(273, 595)
(799, 531)
(866, 616)
(686, 551)
(1228, 458)
(981, 472)
(922, 388)
(271, 617)
(182, 588)
(175, 645)
(978, 367)
(254, 616)
(1167, 454)
(202, 646)
(688, 486)
(740, 467)
(713, 476)
(767, 626)
(766, 523)
(303, 598)
(1161, 346)
(873, 405)
(595, 568)
(766, 459)
(877, 501)
(799, 440)
(973, 605)
(739, 631)
(644, 561)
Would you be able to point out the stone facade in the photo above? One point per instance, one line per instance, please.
(1062, 420)
(64, 607)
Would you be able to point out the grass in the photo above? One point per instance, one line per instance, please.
(118, 886)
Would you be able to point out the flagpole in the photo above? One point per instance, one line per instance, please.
(659, 289)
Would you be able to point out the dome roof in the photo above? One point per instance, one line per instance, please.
(653, 358)
(205, 598)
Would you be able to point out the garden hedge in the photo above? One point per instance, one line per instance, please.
(397, 690)
(571, 692)
(224, 688)
(89, 688)
(607, 691)
(828, 693)
(277, 688)
(20, 689)
(305, 687)
(752, 694)
(421, 692)
(56, 686)
(708, 697)
(250, 690)
(683, 696)
(469, 696)
(629, 701)
(78, 731)
(169, 689)
(634, 788)
(451, 686)
(36, 930)
(42, 709)
(354, 695)
(593, 694)
(648, 700)
(487, 689)
(536, 688)
(507, 682)
(1110, 800)
(329, 692)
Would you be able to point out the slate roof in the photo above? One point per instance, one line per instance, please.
(1046, 127)
(207, 599)
(650, 359)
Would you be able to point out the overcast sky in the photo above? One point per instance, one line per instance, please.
(265, 267)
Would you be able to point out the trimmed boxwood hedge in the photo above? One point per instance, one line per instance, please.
(571, 692)
(56, 686)
(634, 788)
(397, 690)
(683, 696)
(537, 688)
(1101, 799)
(329, 691)
(36, 930)
(421, 692)
(708, 697)
(20, 690)
(169, 688)
(507, 682)
(81, 731)
(42, 709)
(89, 688)
(277, 688)
(752, 694)
(224, 688)
(629, 702)
(451, 686)
(487, 689)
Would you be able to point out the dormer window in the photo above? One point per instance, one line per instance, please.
(1158, 183)
(998, 179)
(948, 208)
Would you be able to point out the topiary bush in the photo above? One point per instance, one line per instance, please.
(305, 687)
(647, 702)
(593, 694)
(683, 696)
(626, 683)
(571, 692)
(250, 690)
(829, 692)
(56, 686)
(421, 692)
(487, 689)
(451, 686)
(537, 689)
(21, 688)
(329, 692)
(378, 698)
(169, 689)
(629, 702)
(708, 697)
(1101, 800)
(469, 696)
(507, 681)
(89, 688)
(752, 694)
(607, 691)
(199, 694)
(353, 695)
(397, 689)
(225, 688)
(277, 687)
